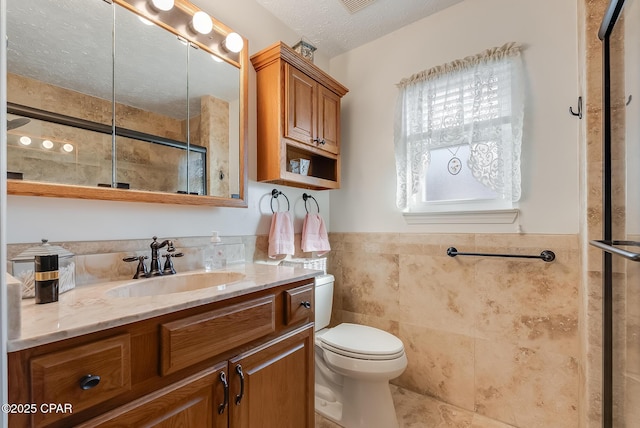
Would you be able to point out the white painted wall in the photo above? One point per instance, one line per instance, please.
(632, 112)
(548, 31)
(30, 218)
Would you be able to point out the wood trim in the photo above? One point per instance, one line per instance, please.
(312, 182)
(315, 150)
(244, 129)
(32, 188)
(280, 50)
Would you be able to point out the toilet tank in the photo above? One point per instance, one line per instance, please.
(323, 300)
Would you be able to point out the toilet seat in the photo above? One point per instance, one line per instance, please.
(362, 342)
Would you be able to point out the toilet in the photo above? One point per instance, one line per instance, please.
(353, 366)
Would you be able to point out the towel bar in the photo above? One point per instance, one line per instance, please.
(546, 255)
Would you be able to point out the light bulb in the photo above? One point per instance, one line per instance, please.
(47, 144)
(67, 147)
(25, 141)
(233, 42)
(144, 20)
(162, 5)
(202, 23)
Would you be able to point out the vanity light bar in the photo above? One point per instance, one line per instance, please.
(188, 21)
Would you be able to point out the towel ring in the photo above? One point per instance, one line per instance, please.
(274, 194)
(305, 197)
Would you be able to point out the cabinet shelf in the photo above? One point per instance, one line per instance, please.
(298, 118)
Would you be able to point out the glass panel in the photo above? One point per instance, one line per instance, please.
(214, 109)
(150, 104)
(59, 73)
(50, 152)
(625, 142)
(450, 179)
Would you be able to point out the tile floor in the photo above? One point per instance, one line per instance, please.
(420, 411)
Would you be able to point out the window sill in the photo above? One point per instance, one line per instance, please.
(462, 217)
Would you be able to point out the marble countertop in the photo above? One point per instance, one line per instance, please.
(91, 308)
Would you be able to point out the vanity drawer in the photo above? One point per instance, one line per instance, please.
(82, 376)
(199, 337)
(298, 304)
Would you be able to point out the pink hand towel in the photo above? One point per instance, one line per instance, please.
(314, 235)
(281, 234)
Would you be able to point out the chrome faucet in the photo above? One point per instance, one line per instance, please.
(155, 269)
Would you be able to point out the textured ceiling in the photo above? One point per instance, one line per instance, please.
(329, 26)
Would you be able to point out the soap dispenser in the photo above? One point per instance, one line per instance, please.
(214, 253)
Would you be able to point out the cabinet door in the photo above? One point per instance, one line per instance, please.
(272, 386)
(300, 98)
(196, 401)
(328, 120)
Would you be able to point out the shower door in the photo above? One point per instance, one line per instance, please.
(620, 34)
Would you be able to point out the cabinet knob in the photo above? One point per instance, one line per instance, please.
(306, 304)
(89, 381)
(319, 141)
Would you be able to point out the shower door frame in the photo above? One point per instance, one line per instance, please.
(610, 246)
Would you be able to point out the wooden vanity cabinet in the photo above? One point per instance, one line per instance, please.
(241, 363)
(298, 118)
(191, 402)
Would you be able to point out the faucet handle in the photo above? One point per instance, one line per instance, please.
(168, 264)
(141, 269)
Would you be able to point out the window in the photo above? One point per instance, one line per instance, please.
(458, 134)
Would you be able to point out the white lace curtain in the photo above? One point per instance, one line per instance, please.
(476, 101)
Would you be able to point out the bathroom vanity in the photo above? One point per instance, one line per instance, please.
(238, 354)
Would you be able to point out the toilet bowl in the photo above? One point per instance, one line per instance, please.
(354, 364)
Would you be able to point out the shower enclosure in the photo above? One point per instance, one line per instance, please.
(620, 35)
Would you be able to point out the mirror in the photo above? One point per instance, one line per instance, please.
(124, 101)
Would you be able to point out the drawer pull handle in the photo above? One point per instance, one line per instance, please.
(241, 373)
(306, 304)
(223, 379)
(89, 381)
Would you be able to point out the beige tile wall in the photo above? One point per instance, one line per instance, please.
(496, 337)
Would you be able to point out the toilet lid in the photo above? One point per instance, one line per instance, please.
(362, 341)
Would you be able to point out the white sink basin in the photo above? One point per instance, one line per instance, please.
(174, 284)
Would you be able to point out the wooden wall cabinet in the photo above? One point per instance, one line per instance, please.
(241, 363)
(298, 118)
